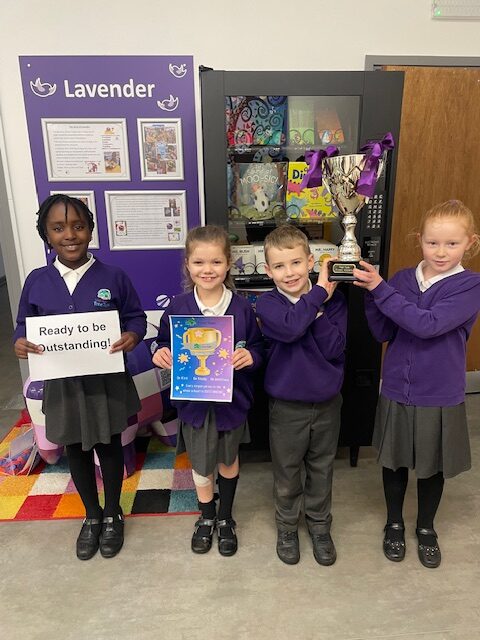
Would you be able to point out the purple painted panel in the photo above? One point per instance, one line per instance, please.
(153, 272)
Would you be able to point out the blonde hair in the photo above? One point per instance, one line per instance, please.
(456, 210)
(210, 234)
(286, 236)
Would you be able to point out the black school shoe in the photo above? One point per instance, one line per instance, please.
(394, 550)
(111, 538)
(202, 542)
(430, 556)
(323, 548)
(288, 547)
(88, 539)
(227, 538)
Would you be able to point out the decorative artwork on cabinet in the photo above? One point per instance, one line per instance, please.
(255, 120)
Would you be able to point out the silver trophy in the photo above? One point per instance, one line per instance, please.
(340, 175)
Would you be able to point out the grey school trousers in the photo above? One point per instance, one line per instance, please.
(304, 434)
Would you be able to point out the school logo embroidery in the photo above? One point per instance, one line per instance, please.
(104, 294)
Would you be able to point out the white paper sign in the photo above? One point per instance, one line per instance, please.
(75, 344)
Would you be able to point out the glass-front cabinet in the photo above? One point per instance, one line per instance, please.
(267, 139)
(259, 129)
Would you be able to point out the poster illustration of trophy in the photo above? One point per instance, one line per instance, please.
(202, 348)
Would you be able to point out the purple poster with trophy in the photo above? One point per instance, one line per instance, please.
(119, 133)
(202, 349)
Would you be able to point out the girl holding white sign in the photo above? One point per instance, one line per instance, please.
(211, 432)
(85, 413)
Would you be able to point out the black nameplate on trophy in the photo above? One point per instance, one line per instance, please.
(342, 271)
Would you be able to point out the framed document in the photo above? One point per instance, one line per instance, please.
(86, 149)
(146, 219)
(161, 151)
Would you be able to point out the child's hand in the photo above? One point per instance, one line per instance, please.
(163, 358)
(23, 347)
(323, 279)
(241, 358)
(128, 341)
(368, 277)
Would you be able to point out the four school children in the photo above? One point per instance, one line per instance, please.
(425, 314)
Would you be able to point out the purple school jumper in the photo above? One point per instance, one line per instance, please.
(228, 415)
(306, 355)
(45, 293)
(427, 333)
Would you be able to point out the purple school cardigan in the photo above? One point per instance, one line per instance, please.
(426, 333)
(45, 293)
(306, 354)
(228, 415)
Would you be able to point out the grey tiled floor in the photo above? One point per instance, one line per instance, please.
(157, 589)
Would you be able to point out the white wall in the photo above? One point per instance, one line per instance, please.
(250, 35)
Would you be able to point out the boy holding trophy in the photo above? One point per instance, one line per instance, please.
(306, 328)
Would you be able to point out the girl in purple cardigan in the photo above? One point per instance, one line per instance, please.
(426, 315)
(85, 412)
(212, 432)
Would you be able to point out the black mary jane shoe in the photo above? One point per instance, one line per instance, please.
(201, 543)
(88, 539)
(227, 538)
(394, 550)
(111, 539)
(430, 556)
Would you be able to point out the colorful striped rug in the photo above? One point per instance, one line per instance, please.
(161, 485)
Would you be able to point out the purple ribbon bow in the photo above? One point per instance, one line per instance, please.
(373, 152)
(313, 177)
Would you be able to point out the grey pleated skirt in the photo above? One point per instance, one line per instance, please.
(206, 446)
(427, 439)
(89, 409)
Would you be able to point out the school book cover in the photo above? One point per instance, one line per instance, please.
(256, 191)
(202, 349)
(306, 204)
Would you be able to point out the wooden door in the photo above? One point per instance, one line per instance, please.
(439, 159)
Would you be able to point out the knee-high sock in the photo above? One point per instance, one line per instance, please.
(82, 468)
(395, 486)
(226, 491)
(429, 491)
(111, 463)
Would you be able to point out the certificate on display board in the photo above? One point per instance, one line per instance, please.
(86, 149)
(88, 198)
(202, 349)
(146, 219)
(161, 151)
(75, 344)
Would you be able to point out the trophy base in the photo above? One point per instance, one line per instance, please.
(342, 271)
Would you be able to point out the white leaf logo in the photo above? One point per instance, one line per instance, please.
(42, 89)
(178, 70)
(168, 104)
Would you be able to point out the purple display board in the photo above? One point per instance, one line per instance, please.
(120, 132)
